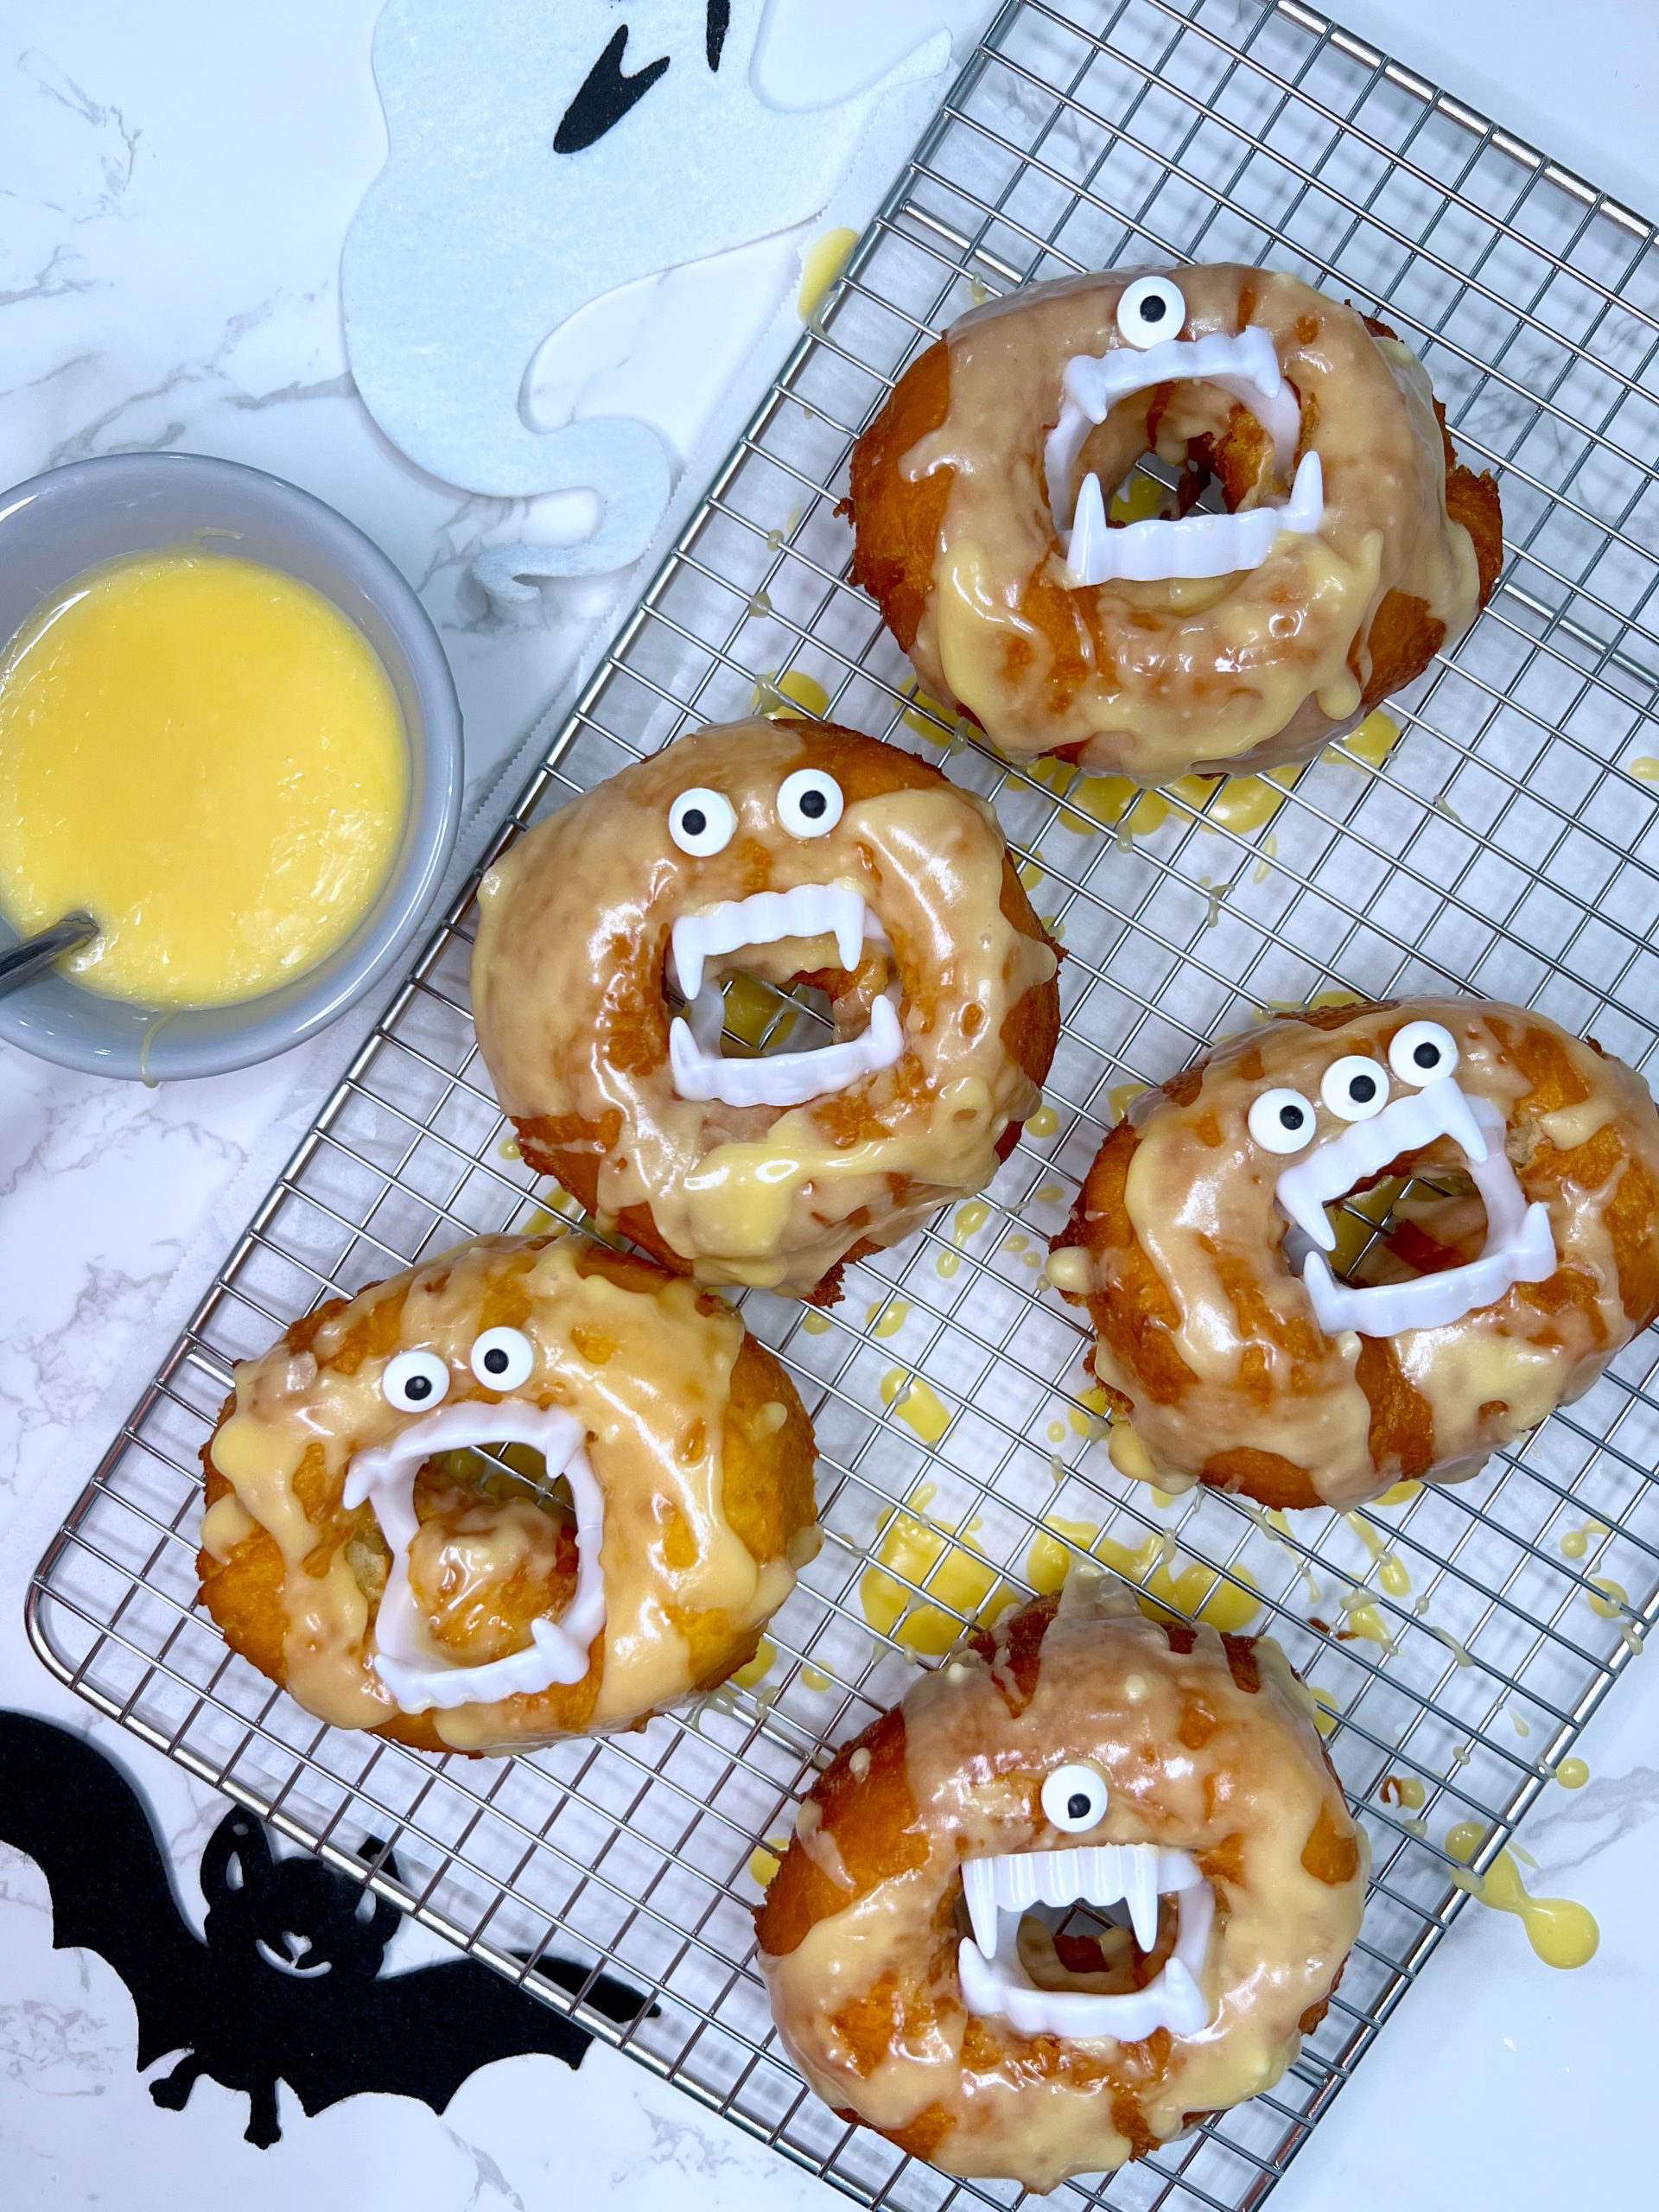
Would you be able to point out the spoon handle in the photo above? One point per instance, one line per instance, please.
(19, 962)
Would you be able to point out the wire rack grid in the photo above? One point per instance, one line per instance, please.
(1507, 844)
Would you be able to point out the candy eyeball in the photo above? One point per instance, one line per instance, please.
(1282, 1121)
(503, 1358)
(809, 803)
(701, 823)
(1422, 1051)
(1075, 1796)
(1150, 310)
(414, 1381)
(1355, 1088)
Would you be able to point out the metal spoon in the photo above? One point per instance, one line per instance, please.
(19, 962)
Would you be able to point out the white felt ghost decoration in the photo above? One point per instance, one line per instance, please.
(543, 154)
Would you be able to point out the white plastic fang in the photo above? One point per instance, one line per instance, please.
(417, 1678)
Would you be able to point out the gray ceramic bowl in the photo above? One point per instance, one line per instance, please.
(58, 525)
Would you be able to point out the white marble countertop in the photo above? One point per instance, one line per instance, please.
(174, 182)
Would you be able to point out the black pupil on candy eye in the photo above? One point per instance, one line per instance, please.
(418, 1387)
(812, 805)
(1363, 1088)
(694, 822)
(1291, 1116)
(496, 1360)
(1152, 309)
(1077, 1806)
(1427, 1055)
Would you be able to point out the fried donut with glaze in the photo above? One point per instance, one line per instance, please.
(784, 851)
(1356, 546)
(1509, 1272)
(1165, 1788)
(359, 1548)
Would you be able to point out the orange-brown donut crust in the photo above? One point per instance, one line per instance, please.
(1242, 1780)
(1607, 1183)
(767, 1498)
(898, 521)
(575, 1147)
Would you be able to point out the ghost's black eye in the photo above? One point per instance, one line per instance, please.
(604, 97)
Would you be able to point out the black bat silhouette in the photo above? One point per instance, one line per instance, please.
(287, 1985)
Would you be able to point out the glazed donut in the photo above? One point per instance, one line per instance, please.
(1499, 1289)
(1078, 1752)
(783, 851)
(1355, 547)
(358, 1548)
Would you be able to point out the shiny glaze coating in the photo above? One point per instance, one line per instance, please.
(569, 983)
(695, 1435)
(1208, 1747)
(1206, 1337)
(956, 541)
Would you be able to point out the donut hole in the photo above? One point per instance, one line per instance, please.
(1090, 1948)
(1179, 451)
(1415, 1219)
(791, 997)
(496, 1550)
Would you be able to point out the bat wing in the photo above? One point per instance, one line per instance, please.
(75, 1812)
(421, 2034)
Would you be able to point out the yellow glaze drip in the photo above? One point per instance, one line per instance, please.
(920, 718)
(1043, 1122)
(916, 1403)
(1403, 1790)
(1390, 1567)
(1562, 1933)
(760, 1667)
(1327, 1713)
(1647, 767)
(766, 1859)
(815, 1324)
(207, 756)
(1398, 1494)
(1577, 1541)
(813, 1678)
(1361, 1619)
(946, 1562)
(886, 1317)
(821, 264)
(1611, 1597)
(795, 693)
(1572, 1773)
(1191, 1592)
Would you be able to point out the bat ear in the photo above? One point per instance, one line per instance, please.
(237, 1858)
(380, 1914)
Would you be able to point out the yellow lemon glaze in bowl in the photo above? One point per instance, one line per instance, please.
(228, 730)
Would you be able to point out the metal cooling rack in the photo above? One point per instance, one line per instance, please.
(1508, 844)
